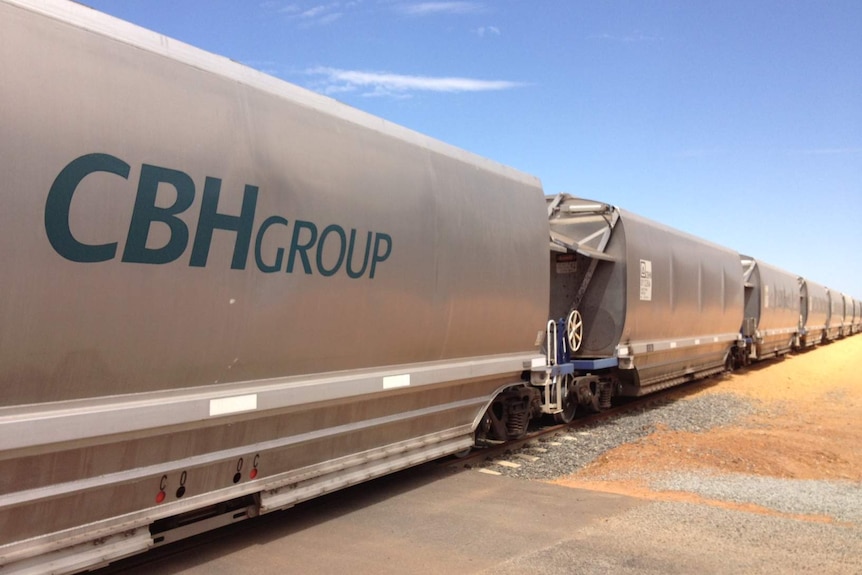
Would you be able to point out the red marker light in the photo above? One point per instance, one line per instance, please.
(160, 497)
(253, 473)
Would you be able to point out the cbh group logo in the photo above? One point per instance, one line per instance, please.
(328, 250)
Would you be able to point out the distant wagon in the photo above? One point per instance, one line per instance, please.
(772, 310)
(814, 312)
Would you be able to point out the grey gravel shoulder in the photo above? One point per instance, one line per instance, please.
(671, 538)
(840, 500)
(578, 448)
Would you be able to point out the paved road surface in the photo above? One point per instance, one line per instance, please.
(427, 521)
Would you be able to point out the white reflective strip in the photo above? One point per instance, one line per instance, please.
(673, 345)
(42, 424)
(539, 362)
(233, 404)
(393, 381)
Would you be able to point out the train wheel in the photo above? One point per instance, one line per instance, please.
(463, 453)
(575, 330)
(595, 403)
(590, 392)
(570, 402)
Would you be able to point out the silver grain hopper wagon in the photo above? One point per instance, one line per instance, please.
(772, 306)
(835, 321)
(224, 294)
(643, 304)
(813, 313)
(849, 315)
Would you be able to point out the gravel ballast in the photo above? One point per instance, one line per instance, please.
(578, 448)
(571, 451)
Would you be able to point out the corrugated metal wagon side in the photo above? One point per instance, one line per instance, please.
(684, 303)
(857, 316)
(814, 312)
(772, 309)
(849, 315)
(835, 321)
(225, 294)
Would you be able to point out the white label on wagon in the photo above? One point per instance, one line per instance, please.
(646, 280)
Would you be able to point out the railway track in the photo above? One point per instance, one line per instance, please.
(499, 450)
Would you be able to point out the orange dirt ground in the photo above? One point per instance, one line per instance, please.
(812, 430)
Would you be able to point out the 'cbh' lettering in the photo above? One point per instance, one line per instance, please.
(210, 219)
(59, 203)
(165, 195)
(146, 212)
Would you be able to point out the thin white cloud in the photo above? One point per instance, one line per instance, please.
(431, 8)
(482, 31)
(335, 81)
(330, 18)
(306, 14)
(313, 12)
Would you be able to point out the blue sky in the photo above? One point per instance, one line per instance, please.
(737, 121)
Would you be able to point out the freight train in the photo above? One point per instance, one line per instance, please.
(223, 295)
